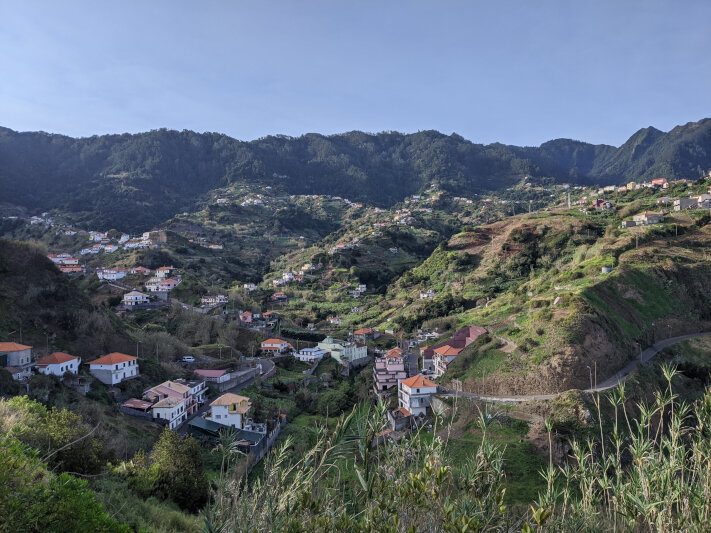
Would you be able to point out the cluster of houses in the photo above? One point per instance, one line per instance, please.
(66, 263)
(438, 357)
(256, 320)
(170, 403)
(110, 369)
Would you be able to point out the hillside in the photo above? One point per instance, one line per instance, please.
(134, 182)
(535, 282)
(47, 309)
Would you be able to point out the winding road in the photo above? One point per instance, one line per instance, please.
(610, 383)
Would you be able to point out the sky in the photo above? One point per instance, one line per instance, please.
(517, 72)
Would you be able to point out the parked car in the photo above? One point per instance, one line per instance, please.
(188, 359)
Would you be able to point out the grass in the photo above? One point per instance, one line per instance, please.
(522, 464)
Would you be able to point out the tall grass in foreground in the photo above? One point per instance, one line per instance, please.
(650, 473)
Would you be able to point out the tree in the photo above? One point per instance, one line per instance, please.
(177, 471)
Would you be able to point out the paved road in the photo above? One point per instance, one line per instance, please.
(610, 383)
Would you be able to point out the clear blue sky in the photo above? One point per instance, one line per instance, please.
(518, 72)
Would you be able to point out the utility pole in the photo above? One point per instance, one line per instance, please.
(568, 200)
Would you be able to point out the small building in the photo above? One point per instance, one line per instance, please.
(415, 394)
(58, 364)
(279, 297)
(628, 224)
(365, 334)
(275, 346)
(218, 299)
(443, 356)
(110, 274)
(213, 376)
(345, 352)
(168, 284)
(246, 317)
(164, 272)
(229, 410)
(170, 411)
(646, 218)
(135, 298)
(310, 355)
(143, 271)
(113, 368)
(250, 287)
(138, 408)
(14, 354)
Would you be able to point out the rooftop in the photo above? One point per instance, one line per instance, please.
(112, 359)
(13, 347)
(55, 359)
(418, 381)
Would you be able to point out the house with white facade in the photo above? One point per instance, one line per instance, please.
(110, 274)
(58, 364)
(214, 300)
(275, 346)
(415, 394)
(229, 410)
(250, 287)
(310, 355)
(114, 368)
(345, 352)
(135, 298)
(164, 272)
(170, 411)
(16, 358)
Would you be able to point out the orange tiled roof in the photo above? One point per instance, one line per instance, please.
(448, 350)
(12, 347)
(56, 358)
(395, 352)
(418, 382)
(112, 359)
(273, 341)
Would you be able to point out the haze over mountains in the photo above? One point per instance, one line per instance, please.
(133, 182)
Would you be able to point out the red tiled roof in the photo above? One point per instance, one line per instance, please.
(395, 352)
(418, 382)
(273, 341)
(211, 373)
(12, 347)
(363, 331)
(134, 403)
(448, 350)
(402, 411)
(56, 358)
(112, 359)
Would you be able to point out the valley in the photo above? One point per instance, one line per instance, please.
(455, 297)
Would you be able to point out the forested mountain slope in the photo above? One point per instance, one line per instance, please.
(133, 182)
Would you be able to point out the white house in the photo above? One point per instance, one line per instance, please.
(214, 300)
(310, 355)
(111, 274)
(164, 272)
(18, 355)
(250, 287)
(114, 368)
(415, 394)
(168, 284)
(58, 364)
(345, 352)
(275, 345)
(229, 410)
(133, 298)
(171, 410)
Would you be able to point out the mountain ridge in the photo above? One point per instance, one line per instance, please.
(135, 181)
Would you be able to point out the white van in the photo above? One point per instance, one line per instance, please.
(188, 359)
